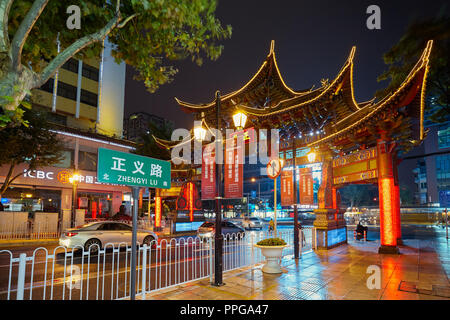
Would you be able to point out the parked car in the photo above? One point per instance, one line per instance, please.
(252, 223)
(207, 230)
(96, 235)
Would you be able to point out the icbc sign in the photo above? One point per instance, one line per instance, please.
(63, 176)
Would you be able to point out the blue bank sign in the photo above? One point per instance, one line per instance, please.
(132, 170)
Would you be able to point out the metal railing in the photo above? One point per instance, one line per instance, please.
(77, 274)
(30, 230)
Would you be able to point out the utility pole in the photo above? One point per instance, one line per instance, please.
(296, 233)
(218, 238)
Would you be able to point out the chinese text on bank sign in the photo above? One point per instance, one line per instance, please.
(132, 170)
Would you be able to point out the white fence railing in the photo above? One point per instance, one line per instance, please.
(31, 230)
(64, 274)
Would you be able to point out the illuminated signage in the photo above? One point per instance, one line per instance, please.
(61, 176)
(358, 166)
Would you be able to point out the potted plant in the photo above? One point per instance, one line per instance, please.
(272, 250)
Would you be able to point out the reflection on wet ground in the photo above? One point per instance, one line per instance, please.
(420, 272)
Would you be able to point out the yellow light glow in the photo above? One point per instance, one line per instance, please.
(239, 119)
(28, 195)
(311, 156)
(253, 179)
(199, 133)
(422, 63)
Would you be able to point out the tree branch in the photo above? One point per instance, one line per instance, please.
(77, 46)
(5, 6)
(24, 29)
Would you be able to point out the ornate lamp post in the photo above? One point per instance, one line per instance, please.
(239, 120)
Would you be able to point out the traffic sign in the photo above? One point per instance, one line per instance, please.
(132, 170)
(274, 168)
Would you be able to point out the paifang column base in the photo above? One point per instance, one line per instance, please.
(388, 250)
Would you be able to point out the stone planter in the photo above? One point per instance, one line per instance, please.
(273, 255)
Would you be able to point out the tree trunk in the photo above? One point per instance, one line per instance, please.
(14, 86)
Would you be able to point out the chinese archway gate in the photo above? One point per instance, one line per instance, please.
(356, 142)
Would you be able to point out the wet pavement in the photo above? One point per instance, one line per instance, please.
(420, 272)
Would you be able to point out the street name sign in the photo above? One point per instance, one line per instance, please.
(132, 170)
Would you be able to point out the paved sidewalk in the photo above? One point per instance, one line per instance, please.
(420, 272)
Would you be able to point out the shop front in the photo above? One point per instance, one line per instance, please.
(50, 189)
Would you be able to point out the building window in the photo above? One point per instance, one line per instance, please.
(70, 92)
(444, 138)
(87, 161)
(67, 159)
(71, 65)
(64, 90)
(89, 98)
(90, 72)
(443, 169)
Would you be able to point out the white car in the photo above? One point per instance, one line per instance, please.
(96, 235)
(252, 223)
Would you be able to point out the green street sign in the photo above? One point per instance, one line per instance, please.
(132, 170)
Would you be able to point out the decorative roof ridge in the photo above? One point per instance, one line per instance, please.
(270, 56)
(348, 63)
(423, 63)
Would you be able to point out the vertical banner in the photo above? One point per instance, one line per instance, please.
(234, 171)
(191, 201)
(208, 173)
(158, 209)
(287, 188)
(306, 186)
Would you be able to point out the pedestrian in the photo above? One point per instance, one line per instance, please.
(300, 229)
(271, 225)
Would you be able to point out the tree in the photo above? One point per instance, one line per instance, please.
(404, 54)
(145, 34)
(146, 145)
(33, 144)
(356, 195)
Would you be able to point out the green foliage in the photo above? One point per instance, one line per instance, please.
(33, 144)
(358, 195)
(402, 57)
(163, 30)
(272, 242)
(146, 146)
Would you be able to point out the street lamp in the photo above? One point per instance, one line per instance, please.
(199, 132)
(74, 179)
(239, 119)
(311, 156)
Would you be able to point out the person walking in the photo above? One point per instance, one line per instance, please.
(271, 225)
(300, 229)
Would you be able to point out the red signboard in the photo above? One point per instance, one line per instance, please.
(306, 186)
(248, 135)
(234, 171)
(158, 209)
(208, 173)
(287, 190)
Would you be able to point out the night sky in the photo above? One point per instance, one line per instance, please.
(312, 41)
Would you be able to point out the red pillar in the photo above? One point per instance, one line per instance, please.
(386, 190)
(334, 197)
(398, 221)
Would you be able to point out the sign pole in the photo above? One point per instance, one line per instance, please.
(218, 237)
(294, 170)
(135, 191)
(275, 205)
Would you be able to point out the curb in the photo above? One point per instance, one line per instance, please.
(21, 243)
